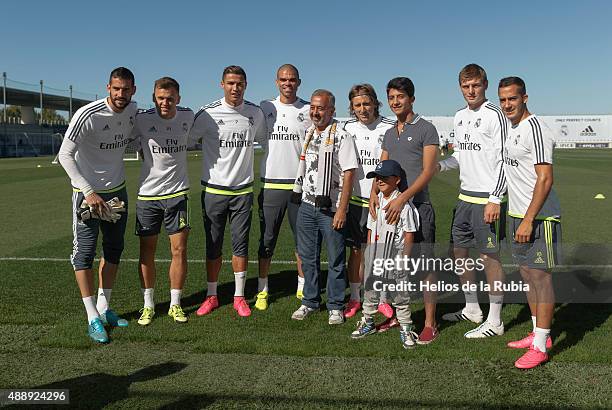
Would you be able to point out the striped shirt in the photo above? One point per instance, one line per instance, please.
(529, 143)
(94, 144)
(478, 148)
(343, 158)
(163, 173)
(408, 221)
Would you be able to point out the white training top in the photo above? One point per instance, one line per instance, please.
(478, 147)
(529, 143)
(163, 173)
(228, 134)
(344, 157)
(286, 126)
(93, 147)
(368, 140)
(408, 221)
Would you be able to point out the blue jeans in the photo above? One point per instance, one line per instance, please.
(314, 226)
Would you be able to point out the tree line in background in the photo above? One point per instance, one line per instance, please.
(48, 115)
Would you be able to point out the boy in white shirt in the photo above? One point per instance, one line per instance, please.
(388, 241)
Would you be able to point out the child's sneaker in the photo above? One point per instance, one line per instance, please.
(364, 327)
(336, 317)
(408, 337)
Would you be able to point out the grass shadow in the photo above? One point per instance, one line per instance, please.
(98, 390)
(576, 320)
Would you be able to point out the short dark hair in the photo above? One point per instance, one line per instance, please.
(123, 73)
(234, 69)
(508, 81)
(472, 71)
(364, 90)
(288, 67)
(166, 83)
(404, 84)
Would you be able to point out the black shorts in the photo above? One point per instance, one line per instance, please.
(273, 204)
(469, 230)
(543, 251)
(357, 226)
(216, 209)
(86, 233)
(425, 237)
(172, 212)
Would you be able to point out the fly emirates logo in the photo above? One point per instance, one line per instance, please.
(366, 158)
(237, 140)
(118, 142)
(282, 133)
(468, 145)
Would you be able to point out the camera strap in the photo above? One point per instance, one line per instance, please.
(325, 163)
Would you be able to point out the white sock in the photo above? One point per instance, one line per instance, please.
(175, 297)
(539, 340)
(471, 302)
(383, 298)
(211, 288)
(262, 284)
(355, 294)
(240, 281)
(90, 307)
(495, 306)
(301, 282)
(104, 296)
(148, 297)
(533, 320)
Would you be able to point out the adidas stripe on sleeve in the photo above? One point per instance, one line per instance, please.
(499, 133)
(529, 143)
(480, 135)
(92, 150)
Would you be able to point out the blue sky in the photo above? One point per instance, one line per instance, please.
(563, 50)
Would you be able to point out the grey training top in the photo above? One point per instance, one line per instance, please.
(407, 149)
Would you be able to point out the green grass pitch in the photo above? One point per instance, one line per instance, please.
(268, 360)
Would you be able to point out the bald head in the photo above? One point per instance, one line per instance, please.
(288, 68)
(288, 82)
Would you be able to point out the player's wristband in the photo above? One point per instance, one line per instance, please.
(87, 191)
(494, 200)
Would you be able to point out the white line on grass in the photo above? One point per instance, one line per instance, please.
(275, 262)
(30, 259)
